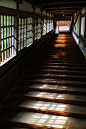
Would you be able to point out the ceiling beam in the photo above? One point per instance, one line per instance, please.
(62, 5)
(59, 9)
(62, 2)
(56, 8)
(64, 11)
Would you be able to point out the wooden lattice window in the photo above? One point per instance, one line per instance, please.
(48, 24)
(51, 24)
(83, 20)
(36, 28)
(44, 27)
(7, 42)
(39, 28)
(22, 33)
(30, 24)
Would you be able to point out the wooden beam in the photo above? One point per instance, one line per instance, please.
(62, 5)
(29, 1)
(18, 1)
(59, 2)
(64, 8)
(65, 11)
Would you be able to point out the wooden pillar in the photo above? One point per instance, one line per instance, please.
(85, 24)
(17, 26)
(17, 23)
(33, 23)
(46, 22)
(41, 24)
(80, 25)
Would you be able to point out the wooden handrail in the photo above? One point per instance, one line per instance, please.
(75, 34)
(82, 41)
(80, 38)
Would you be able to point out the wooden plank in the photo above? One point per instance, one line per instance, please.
(39, 120)
(46, 107)
(48, 96)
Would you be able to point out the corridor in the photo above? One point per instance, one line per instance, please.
(51, 93)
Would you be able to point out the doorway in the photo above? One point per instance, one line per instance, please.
(63, 26)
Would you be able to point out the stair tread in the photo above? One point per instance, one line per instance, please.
(61, 64)
(59, 97)
(64, 60)
(35, 120)
(57, 87)
(51, 75)
(59, 68)
(56, 70)
(47, 107)
(53, 88)
(50, 80)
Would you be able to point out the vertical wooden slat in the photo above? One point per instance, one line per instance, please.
(23, 30)
(49, 25)
(17, 25)
(6, 37)
(11, 36)
(26, 31)
(15, 19)
(3, 38)
(20, 32)
(37, 28)
(46, 26)
(19, 35)
(41, 27)
(0, 39)
(33, 30)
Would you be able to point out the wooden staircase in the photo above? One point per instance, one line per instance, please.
(51, 93)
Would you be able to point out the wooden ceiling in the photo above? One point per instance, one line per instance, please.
(55, 6)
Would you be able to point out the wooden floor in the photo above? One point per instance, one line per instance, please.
(51, 94)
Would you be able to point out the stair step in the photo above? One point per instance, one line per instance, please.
(54, 76)
(59, 68)
(47, 96)
(46, 107)
(57, 64)
(69, 72)
(39, 120)
(55, 81)
(63, 61)
(52, 88)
